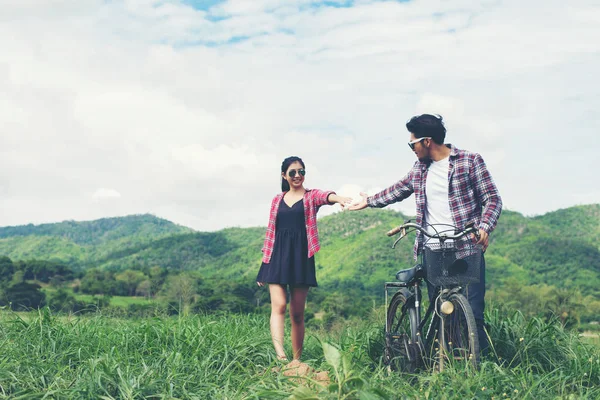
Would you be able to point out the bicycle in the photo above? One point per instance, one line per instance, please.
(449, 261)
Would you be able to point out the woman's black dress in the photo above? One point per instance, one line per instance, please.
(289, 263)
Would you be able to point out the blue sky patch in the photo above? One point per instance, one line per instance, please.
(337, 4)
(342, 3)
(203, 5)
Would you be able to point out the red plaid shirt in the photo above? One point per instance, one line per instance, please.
(313, 200)
(472, 194)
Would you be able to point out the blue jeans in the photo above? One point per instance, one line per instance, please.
(475, 293)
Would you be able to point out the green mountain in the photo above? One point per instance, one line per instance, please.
(560, 248)
(84, 242)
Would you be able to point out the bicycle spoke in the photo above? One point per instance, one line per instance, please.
(402, 351)
(459, 336)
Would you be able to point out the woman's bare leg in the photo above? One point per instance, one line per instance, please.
(297, 305)
(278, 306)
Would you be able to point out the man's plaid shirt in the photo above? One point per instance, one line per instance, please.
(472, 194)
(313, 200)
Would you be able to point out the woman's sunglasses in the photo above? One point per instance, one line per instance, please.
(292, 172)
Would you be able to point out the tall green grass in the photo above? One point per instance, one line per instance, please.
(230, 357)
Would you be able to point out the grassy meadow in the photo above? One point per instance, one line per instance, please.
(230, 356)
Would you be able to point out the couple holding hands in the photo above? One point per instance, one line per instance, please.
(451, 186)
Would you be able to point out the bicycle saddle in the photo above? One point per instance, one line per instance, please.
(408, 276)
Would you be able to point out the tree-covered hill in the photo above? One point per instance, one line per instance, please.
(100, 231)
(207, 251)
(559, 248)
(580, 222)
(79, 242)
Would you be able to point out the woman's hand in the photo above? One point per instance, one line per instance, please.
(344, 201)
(341, 200)
(261, 284)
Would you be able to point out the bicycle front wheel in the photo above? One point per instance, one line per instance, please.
(458, 338)
(402, 340)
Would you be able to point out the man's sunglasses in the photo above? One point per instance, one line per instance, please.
(292, 172)
(412, 143)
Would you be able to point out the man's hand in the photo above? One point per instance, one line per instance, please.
(483, 239)
(361, 204)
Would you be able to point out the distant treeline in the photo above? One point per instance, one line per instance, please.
(26, 285)
(545, 265)
(33, 284)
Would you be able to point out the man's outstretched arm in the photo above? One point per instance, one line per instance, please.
(393, 194)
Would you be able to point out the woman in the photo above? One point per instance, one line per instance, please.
(288, 252)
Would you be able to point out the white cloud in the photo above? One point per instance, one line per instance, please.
(104, 193)
(188, 113)
(206, 163)
(451, 108)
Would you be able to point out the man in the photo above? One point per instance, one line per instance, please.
(451, 186)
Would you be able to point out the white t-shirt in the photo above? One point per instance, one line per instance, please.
(437, 207)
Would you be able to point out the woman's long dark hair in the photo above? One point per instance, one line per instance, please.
(285, 186)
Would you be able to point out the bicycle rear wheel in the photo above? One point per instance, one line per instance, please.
(402, 340)
(458, 338)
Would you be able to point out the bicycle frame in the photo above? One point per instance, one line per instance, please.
(448, 338)
(432, 314)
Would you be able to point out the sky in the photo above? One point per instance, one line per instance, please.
(186, 109)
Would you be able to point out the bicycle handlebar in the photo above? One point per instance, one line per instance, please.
(395, 231)
(402, 228)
